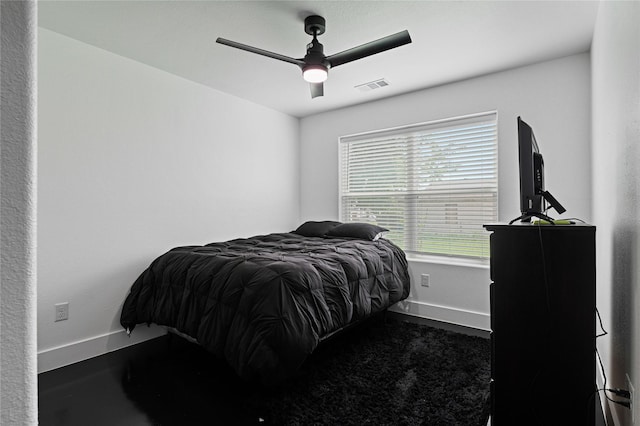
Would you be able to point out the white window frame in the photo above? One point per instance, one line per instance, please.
(431, 194)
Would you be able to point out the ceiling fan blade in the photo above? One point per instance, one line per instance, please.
(371, 48)
(317, 89)
(262, 52)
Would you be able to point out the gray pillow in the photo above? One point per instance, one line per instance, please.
(362, 231)
(316, 228)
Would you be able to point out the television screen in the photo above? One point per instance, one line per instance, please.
(533, 195)
(531, 180)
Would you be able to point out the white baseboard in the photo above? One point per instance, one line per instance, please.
(60, 356)
(448, 314)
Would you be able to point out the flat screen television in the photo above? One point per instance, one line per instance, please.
(533, 195)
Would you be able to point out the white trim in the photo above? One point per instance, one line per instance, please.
(448, 314)
(60, 356)
(409, 127)
(63, 355)
(448, 260)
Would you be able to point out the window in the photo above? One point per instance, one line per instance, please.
(432, 184)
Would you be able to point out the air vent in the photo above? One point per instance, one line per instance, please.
(376, 84)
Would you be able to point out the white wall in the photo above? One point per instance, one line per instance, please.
(553, 97)
(132, 162)
(616, 194)
(18, 379)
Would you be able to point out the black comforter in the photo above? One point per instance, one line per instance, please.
(264, 303)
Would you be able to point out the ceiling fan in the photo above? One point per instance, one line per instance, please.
(315, 65)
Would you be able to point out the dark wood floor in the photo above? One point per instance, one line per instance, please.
(91, 390)
(159, 382)
(165, 381)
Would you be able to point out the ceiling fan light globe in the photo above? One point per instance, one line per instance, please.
(315, 74)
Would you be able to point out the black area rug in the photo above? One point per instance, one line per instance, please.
(383, 372)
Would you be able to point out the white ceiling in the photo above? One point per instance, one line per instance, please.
(452, 40)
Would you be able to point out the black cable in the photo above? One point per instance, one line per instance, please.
(577, 219)
(604, 332)
(549, 324)
(622, 393)
(544, 269)
(604, 389)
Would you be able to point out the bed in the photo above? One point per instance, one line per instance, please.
(264, 303)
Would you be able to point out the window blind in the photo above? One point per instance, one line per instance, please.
(432, 184)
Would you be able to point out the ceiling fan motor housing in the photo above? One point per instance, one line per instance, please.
(314, 25)
(315, 54)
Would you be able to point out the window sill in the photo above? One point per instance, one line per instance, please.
(453, 261)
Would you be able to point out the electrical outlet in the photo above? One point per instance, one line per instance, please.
(424, 282)
(631, 400)
(62, 311)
